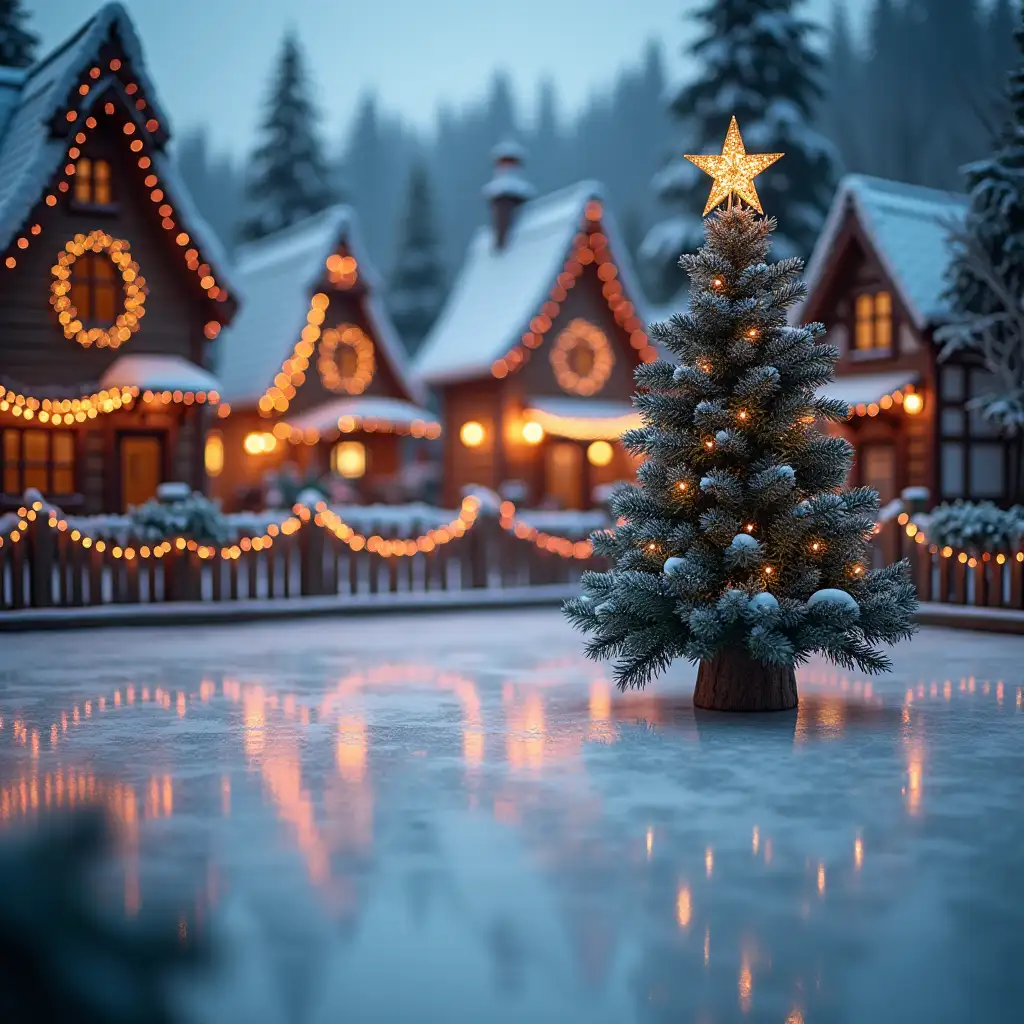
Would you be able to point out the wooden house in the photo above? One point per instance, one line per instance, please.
(877, 281)
(533, 355)
(111, 285)
(315, 375)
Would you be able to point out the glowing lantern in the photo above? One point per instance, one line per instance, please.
(214, 455)
(348, 459)
(533, 432)
(471, 434)
(600, 453)
(913, 403)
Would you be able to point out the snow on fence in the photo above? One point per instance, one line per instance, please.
(48, 560)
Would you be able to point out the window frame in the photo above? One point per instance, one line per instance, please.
(875, 322)
(49, 465)
(966, 437)
(85, 169)
(84, 269)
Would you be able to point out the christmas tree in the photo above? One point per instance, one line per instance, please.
(737, 547)
(289, 177)
(417, 282)
(17, 43)
(759, 61)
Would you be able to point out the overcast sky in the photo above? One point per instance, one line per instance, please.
(211, 58)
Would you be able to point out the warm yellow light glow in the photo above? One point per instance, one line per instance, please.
(582, 358)
(533, 432)
(600, 453)
(214, 455)
(259, 442)
(471, 434)
(733, 170)
(913, 403)
(684, 906)
(348, 459)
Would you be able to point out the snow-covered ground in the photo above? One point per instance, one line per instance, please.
(457, 818)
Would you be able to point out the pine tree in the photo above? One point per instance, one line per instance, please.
(417, 282)
(840, 114)
(738, 548)
(986, 277)
(757, 62)
(17, 43)
(289, 177)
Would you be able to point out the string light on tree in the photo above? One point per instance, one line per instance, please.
(764, 516)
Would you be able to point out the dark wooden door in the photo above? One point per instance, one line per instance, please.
(141, 467)
(878, 469)
(564, 474)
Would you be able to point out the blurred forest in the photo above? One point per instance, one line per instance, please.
(913, 95)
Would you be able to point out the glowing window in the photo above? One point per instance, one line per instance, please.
(348, 459)
(94, 289)
(214, 455)
(873, 322)
(92, 182)
(43, 459)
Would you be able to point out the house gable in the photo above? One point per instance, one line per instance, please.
(91, 100)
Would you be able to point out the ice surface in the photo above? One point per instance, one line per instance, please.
(459, 819)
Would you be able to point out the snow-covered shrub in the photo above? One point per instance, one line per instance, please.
(975, 526)
(194, 518)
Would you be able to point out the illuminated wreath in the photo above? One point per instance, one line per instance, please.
(582, 358)
(127, 322)
(346, 361)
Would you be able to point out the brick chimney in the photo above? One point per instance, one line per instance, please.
(507, 190)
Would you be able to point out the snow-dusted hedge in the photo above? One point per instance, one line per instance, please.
(975, 526)
(194, 517)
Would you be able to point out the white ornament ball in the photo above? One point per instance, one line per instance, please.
(764, 602)
(744, 540)
(832, 596)
(722, 436)
(672, 564)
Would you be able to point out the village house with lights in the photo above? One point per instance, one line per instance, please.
(314, 373)
(532, 358)
(877, 281)
(112, 288)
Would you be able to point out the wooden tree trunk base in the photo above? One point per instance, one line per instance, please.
(733, 681)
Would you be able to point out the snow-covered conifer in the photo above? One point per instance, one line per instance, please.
(17, 43)
(737, 543)
(289, 178)
(417, 281)
(756, 60)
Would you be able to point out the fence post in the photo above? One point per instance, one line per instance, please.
(41, 550)
(311, 559)
(477, 543)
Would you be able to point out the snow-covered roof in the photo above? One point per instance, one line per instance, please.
(909, 227)
(866, 388)
(278, 276)
(365, 409)
(499, 290)
(158, 373)
(30, 101)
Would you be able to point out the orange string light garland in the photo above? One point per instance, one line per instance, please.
(137, 146)
(590, 246)
(561, 546)
(915, 533)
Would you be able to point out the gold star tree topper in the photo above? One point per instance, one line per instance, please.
(734, 170)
